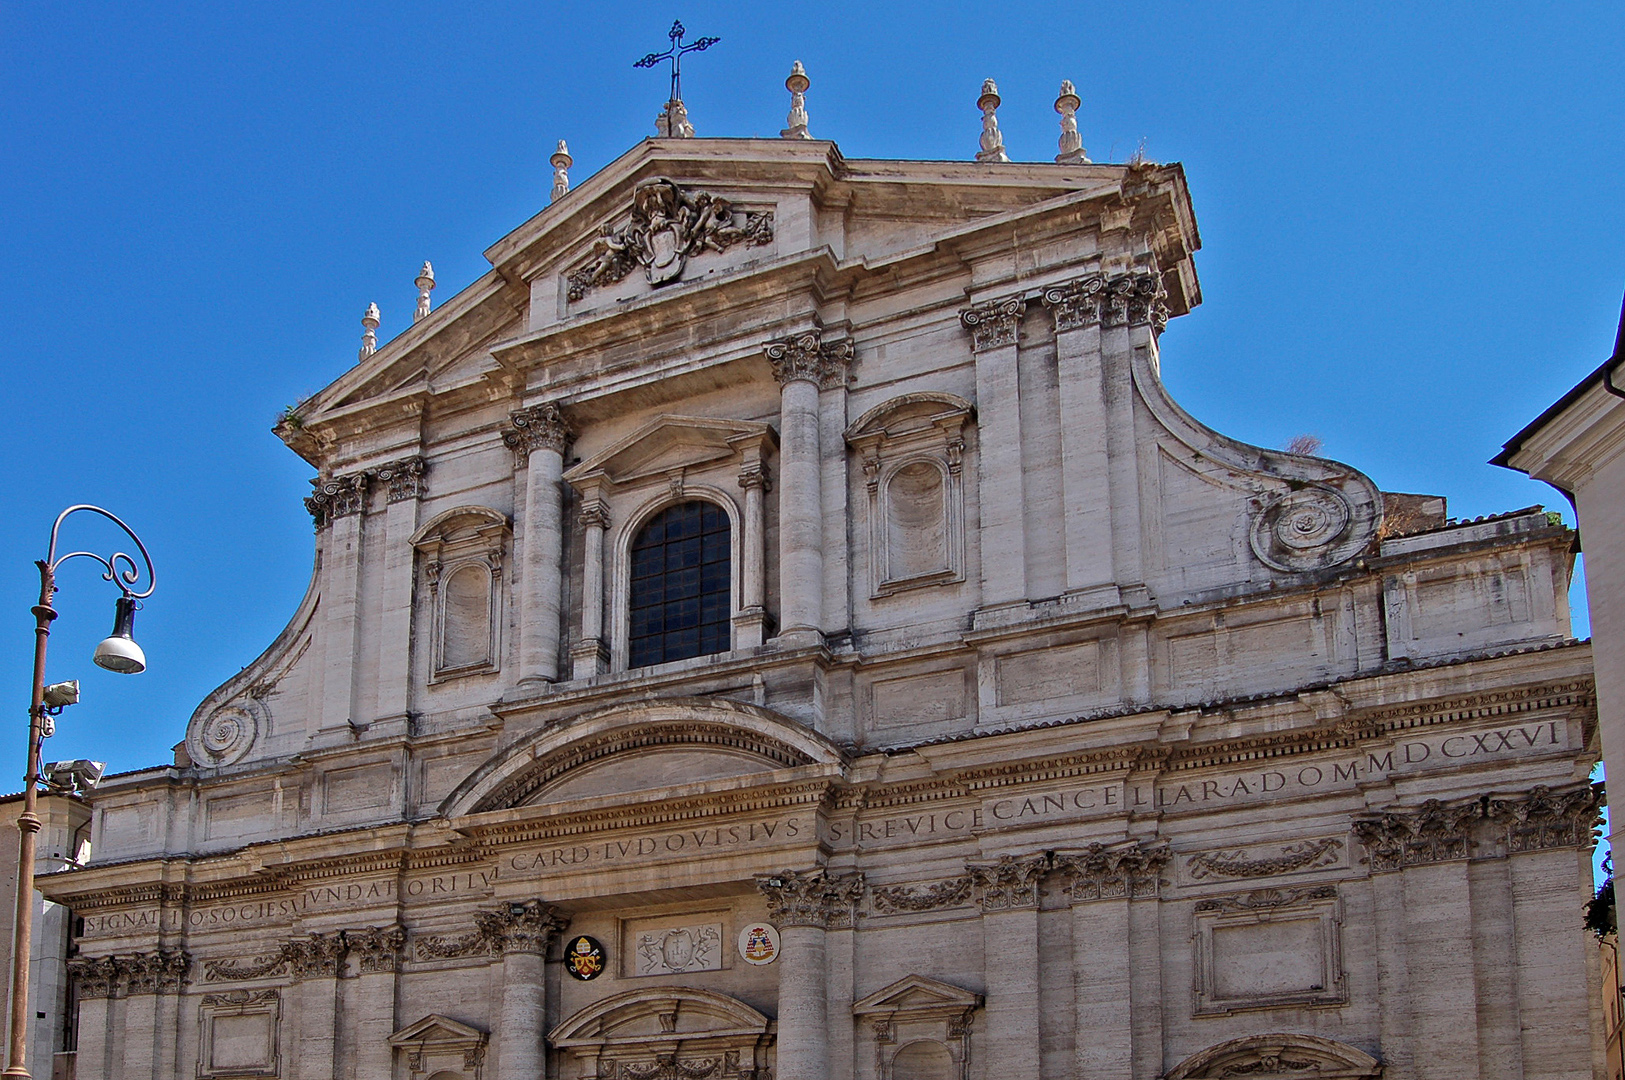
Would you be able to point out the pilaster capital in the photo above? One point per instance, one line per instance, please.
(1136, 299)
(377, 948)
(1075, 304)
(161, 972)
(1009, 883)
(521, 927)
(1544, 818)
(594, 514)
(315, 956)
(754, 474)
(994, 324)
(809, 357)
(1114, 871)
(539, 427)
(811, 897)
(338, 496)
(404, 477)
(1540, 819)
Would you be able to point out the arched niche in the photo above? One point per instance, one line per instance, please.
(1279, 1054)
(911, 449)
(665, 1031)
(461, 552)
(640, 747)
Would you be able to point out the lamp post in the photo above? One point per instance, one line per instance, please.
(119, 653)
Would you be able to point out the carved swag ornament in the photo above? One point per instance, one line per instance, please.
(668, 225)
(316, 956)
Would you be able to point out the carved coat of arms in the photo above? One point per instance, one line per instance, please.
(668, 225)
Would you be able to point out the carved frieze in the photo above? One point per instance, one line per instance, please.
(315, 956)
(1306, 855)
(672, 950)
(1009, 883)
(668, 225)
(994, 324)
(1116, 871)
(339, 496)
(811, 897)
(808, 356)
(161, 972)
(1265, 899)
(404, 477)
(539, 427)
(893, 899)
(230, 969)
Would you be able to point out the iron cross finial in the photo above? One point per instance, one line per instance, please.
(675, 55)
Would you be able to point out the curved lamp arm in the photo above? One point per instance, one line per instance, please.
(120, 568)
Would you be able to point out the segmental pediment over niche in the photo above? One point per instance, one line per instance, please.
(642, 747)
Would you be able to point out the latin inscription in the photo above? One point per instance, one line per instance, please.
(1002, 810)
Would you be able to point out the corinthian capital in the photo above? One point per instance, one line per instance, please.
(404, 477)
(316, 956)
(994, 324)
(338, 496)
(527, 927)
(1105, 872)
(540, 427)
(1137, 299)
(811, 897)
(161, 972)
(1011, 882)
(808, 357)
(378, 948)
(1076, 304)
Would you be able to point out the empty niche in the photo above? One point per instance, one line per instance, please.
(1270, 948)
(239, 1034)
(461, 553)
(911, 449)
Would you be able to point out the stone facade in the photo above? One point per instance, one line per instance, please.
(1048, 733)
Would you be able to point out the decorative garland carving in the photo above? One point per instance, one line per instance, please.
(1119, 871)
(161, 972)
(1009, 883)
(811, 897)
(1438, 831)
(808, 356)
(668, 225)
(538, 427)
(993, 324)
(892, 899)
(1308, 855)
(258, 967)
(319, 956)
(1267, 899)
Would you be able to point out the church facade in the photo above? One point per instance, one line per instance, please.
(776, 623)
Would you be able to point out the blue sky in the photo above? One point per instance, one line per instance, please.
(1412, 217)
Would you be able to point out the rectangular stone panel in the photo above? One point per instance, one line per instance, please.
(231, 816)
(363, 787)
(916, 700)
(675, 944)
(1047, 674)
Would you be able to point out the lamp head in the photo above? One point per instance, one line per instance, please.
(118, 651)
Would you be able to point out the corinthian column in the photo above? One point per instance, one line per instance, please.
(523, 932)
(803, 365)
(539, 436)
(802, 904)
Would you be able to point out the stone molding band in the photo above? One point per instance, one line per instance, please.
(161, 972)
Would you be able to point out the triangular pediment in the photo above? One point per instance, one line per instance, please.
(435, 1030)
(916, 993)
(667, 445)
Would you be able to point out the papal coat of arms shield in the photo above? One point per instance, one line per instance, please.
(584, 958)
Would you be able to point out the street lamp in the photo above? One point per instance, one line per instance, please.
(119, 653)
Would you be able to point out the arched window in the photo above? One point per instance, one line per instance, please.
(678, 604)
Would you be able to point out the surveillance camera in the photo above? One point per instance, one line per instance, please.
(61, 695)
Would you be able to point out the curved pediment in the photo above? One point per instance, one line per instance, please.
(1279, 1054)
(661, 1013)
(639, 747)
